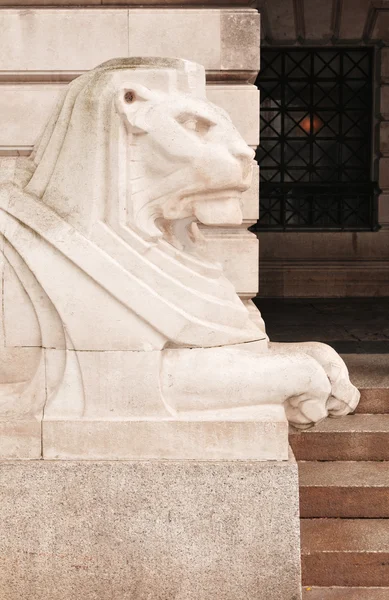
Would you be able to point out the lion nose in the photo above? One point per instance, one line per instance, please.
(247, 166)
(246, 163)
(242, 151)
(245, 155)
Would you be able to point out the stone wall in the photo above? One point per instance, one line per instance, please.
(333, 264)
(42, 49)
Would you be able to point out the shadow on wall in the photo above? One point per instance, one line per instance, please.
(349, 325)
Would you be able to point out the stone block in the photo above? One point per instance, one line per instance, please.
(250, 199)
(381, 29)
(61, 39)
(383, 209)
(353, 18)
(384, 108)
(305, 248)
(180, 33)
(321, 280)
(384, 138)
(155, 530)
(242, 104)
(345, 593)
(281, 16)
(384, 174)
(66, 39)
(237, 250)
(318, 20)
(205, 437)
(385, 64)
(23, 111)
(345, 552)
(240, 40)
(18, 364)
(20, 439)
(21, 326)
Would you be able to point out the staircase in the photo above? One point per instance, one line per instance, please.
(344, 493)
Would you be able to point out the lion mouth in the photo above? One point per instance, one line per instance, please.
(218, 212)
(217, 208)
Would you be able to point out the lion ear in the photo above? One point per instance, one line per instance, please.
(128, 101)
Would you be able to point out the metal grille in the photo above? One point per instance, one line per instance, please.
(315, 155)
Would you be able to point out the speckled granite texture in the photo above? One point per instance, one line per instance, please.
(149, 530)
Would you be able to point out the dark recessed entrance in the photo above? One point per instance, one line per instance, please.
(315, 153)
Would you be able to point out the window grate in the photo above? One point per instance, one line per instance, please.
(316, 139)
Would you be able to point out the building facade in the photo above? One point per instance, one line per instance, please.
(325, 262)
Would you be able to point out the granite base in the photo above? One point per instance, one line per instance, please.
(149, 530)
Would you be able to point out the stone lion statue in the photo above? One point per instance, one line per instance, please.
(111, 310)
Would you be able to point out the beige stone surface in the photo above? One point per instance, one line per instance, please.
(23, 111)
(68, 39)
(62, 39)
(21, 326)
(20, 439)
(242, 104)
(191, 34)
(250, 199)
(207, 437)
(151, 530)
(240, 40)
(237, 250)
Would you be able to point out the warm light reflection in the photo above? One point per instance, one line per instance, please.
(311, 124)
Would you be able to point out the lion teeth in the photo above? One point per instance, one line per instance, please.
(195, 233)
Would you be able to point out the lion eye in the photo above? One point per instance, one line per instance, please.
(129, 96)
(198, 125)
(190, 124)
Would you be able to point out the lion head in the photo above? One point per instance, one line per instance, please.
(133, 156)
(135, 144)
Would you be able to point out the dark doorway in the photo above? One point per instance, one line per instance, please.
(315, 154)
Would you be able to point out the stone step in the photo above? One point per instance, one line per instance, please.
(344, 489)
(345, 552)
(373, 401)
(344, 593)
(370, 373)
(354, 437)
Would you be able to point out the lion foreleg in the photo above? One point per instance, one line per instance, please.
(344, 395)
(225, 378)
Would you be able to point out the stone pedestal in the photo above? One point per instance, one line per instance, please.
(155, 530)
